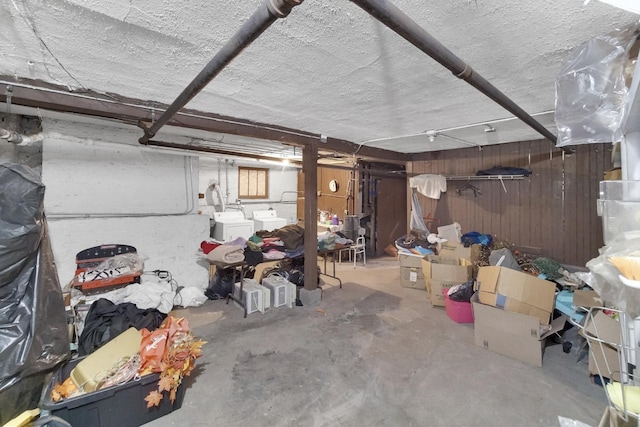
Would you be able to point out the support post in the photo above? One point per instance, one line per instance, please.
(310, 170)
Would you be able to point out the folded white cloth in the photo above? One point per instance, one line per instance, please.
(227, 254)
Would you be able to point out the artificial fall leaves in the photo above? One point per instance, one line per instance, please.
(178, 360)
(64, 390)
(153, 399)
(170, 350)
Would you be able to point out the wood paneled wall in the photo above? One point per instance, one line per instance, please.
(328, 201)
(551, 213)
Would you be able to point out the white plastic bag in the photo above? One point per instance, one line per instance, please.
(591, 92)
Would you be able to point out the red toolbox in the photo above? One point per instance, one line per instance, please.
(88, 279)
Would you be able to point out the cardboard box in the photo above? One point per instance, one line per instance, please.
(516, 292)
(435, 288)
(603, 350)
(457, 250)
(511, 334)
(454, 250)
(614, 174)
(412, 277)
(410, 260)
(586, 298)
(442, 273)
(612, 418)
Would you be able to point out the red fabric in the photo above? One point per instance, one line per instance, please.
(270, 239)
(208, 246)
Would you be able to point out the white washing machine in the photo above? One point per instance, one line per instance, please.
(231, 225)
(267, 220)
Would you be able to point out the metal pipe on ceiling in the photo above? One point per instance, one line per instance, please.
(269, 12)
(392, 17)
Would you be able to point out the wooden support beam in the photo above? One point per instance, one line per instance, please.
(310, 170)
(33, 93)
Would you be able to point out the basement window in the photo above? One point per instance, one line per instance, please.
(253, 183)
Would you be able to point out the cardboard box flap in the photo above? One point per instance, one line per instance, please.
(586, 298)
(603, 328)
(556, 326)
(454, 250)
(516, 291)
(448, 269)
(512, 334)
(488, 279)
(527, 288)
(426, 268)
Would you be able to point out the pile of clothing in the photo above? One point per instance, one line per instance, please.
(285, 242)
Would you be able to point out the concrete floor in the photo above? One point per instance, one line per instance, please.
(373, 353)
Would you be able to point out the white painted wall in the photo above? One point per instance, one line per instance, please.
(283, 185)
(165, 242)
(103, 188)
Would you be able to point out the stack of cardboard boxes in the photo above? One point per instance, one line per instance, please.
(512, 310)
(410, 271)
(433, 273)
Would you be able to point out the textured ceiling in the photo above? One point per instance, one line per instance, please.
(329, 68)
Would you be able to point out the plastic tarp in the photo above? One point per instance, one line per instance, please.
(591, 89)
(605, 278)
(428, 185)
(33, 326)
(416, 213)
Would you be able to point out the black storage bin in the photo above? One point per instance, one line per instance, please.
(118, 406)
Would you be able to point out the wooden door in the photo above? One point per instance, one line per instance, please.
(391, 207)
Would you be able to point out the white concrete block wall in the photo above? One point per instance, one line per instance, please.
(283, 185)
(165, 243)
(102, 188)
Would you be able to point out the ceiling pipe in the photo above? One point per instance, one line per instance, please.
(18, 139)
(403, 25)
(267, 14)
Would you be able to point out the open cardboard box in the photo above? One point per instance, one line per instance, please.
(516, 292)
(442, 273)
(457, 250)
(454, 250)
(511, 334)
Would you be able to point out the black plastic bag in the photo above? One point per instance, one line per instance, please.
(34, 336)
(462, 292)
(221, 284)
